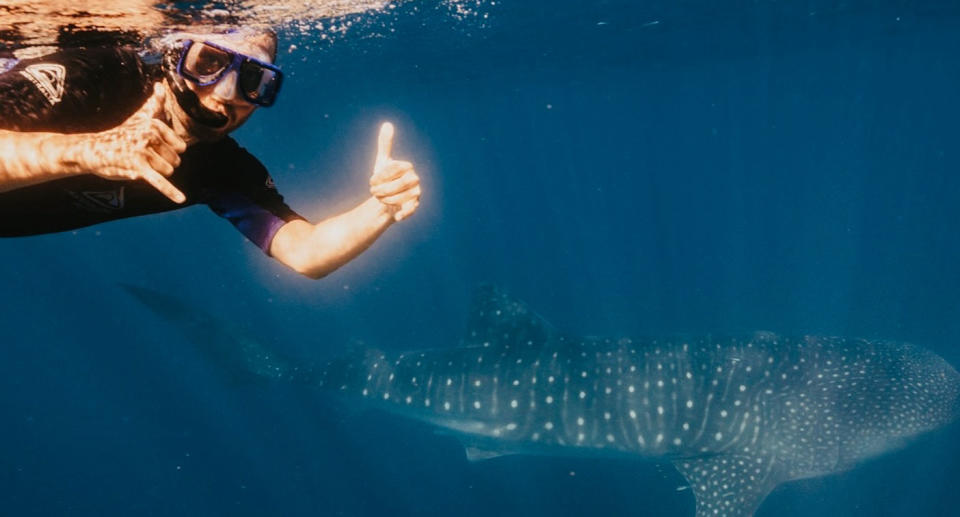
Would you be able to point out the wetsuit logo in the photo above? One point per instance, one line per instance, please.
(6, 64)
(48, 78)
(105, 201)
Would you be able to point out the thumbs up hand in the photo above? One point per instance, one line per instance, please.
(394, 182)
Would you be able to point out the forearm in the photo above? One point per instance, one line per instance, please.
(29, 158)
(317, 250)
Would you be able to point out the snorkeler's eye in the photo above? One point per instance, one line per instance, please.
(258, 83)
(209, 61)
(249, 79)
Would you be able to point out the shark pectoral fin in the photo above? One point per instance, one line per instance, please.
(475, 454)
(729, 485)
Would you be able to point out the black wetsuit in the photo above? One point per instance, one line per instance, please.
(90, 90)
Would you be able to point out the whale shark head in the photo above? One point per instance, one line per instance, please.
(932, 388)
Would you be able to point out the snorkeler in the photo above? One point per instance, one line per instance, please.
(89, 135)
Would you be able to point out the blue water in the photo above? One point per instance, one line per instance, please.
(625, 167)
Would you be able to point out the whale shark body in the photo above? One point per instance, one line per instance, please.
(735, 415)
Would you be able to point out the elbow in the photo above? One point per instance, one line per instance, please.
(311, 251)
(295, 246)
(311, 264)
(312, 269)
(315, 274)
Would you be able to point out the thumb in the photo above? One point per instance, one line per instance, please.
(384, 142)
(154, 105)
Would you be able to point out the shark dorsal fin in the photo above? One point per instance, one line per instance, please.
(729, 485)
(497, 319)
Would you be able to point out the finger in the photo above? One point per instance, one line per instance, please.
(152, 106)
(166, 150)
(390, 169)
(157, 99)
(401, 198)
(157, 163)
(385, 142)
(389, 188)
(169, 136)
(165, 187)
(166, 153)
(406, 211)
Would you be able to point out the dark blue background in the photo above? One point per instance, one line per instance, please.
(625, 167)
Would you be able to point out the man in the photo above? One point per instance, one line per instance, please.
(93, 135)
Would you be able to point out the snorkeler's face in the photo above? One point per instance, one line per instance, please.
(224, 108)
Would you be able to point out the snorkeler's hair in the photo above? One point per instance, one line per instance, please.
(168, 46)
(267, 37)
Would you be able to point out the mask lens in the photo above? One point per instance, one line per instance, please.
(206, 63)
(258, 84)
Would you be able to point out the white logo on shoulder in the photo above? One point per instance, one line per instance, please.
(48, 78)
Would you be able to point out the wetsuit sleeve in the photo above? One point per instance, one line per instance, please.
(22, 104)
(250, 201)
(73, 90)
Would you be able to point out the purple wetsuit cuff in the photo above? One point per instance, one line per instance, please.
(271, 231)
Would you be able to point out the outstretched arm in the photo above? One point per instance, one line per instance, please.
(142, 147)
(317, 250)
(28, 158)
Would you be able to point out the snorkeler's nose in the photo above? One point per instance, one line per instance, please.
(226, 88)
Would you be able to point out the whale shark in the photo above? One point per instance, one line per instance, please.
(736, 415)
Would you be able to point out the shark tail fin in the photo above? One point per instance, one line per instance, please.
(240, 355)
